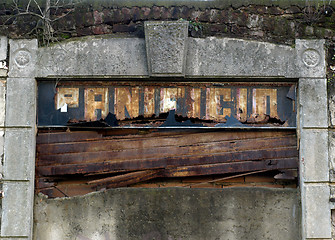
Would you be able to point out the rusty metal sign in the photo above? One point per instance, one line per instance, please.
(149, 104)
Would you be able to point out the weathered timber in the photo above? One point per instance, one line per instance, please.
(155, 153)
(126, 179)
(63, 137)
(222, 168)
(153, 146)
(68, 161)
(105, 166)
(44, 183)
(171, 138)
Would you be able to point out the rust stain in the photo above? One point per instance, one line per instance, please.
(264, 104)
(149, 101)
(168, 100)
(216, 105)
(127, 102)
(96, 104)
(69, 96)
(195, 95)
(241, 104)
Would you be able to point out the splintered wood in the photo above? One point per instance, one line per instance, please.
(75, 163)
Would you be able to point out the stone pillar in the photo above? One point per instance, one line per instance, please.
(3, 77)
(19, 142)
(313, 129)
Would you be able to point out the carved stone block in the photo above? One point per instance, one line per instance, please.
(22, 58)
(166, 47)
(311, 58)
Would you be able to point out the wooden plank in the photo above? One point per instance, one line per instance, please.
(153, 163)
(150, 140)
(158, 152)
(62, 137)
(164, 147)
(222, 168)
(125, 179)
(44, 183)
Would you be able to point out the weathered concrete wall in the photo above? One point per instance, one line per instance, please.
(174, 213)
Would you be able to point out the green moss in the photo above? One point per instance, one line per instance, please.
(65, 35)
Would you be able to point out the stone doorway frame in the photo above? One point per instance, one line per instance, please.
(155, 56)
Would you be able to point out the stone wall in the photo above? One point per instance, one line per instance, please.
(174, 214)
(280, 23)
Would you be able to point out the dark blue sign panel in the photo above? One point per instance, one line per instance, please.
(156, 104)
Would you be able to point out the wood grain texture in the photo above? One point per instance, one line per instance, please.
(101, 160)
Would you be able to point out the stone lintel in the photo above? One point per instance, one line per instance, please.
(229, 57)
(94, 57)
(169, 52)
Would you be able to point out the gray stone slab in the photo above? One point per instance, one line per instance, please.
(102, 57)
(317, 213)
(216, 57)
(313, 102)
(22, 58)
(331, 152)
(21, 102)
(174, 213)
(3, 48)
(166, 47)
(19, 154)
(331, 107)
(17, 204)
(2, 102)
(2, 140)
(13, 238)
(311, 60)
(314, 165)
(3, 73)
(319, 238)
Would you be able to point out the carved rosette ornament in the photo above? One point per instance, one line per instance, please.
(311, 57)
(22, 58)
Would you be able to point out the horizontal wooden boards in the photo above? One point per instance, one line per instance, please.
(122, 160)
